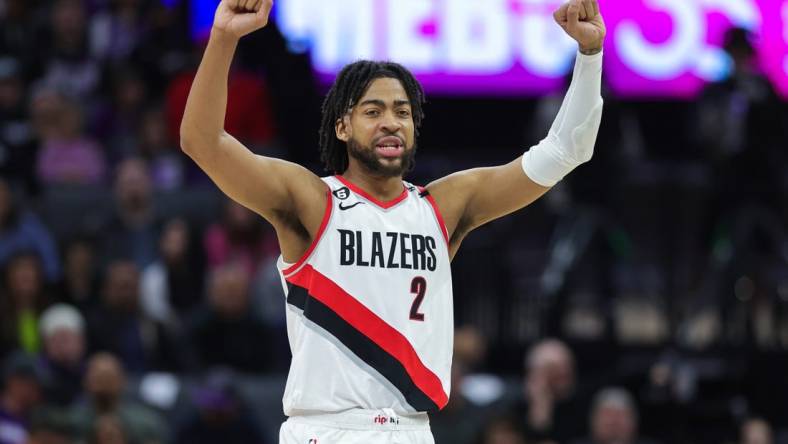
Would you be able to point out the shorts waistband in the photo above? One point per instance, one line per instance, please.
(358, 419)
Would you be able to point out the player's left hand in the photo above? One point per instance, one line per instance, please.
(583, 22)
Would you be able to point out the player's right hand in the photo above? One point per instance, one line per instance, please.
(241, 17)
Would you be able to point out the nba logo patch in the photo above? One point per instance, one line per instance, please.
(342, 193)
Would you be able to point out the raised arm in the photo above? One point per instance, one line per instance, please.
(472, 198)
(287, 195)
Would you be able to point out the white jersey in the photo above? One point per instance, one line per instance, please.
(369, 307)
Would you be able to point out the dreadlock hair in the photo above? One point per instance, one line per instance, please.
(349, 87)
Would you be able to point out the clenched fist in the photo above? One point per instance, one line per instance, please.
(583, 22)
(241, 17)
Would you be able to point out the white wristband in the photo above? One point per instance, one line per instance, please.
(571, 139)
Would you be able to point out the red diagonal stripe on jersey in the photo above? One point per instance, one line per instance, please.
(370, 325)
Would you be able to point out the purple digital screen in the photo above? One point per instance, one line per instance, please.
(673, 47)
(654, 48)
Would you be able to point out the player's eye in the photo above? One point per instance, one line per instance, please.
(403, 113)
(372, 112)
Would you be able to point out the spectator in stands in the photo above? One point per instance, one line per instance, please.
(105, 384)
(19, 29)
(553, 407)
(165, 162)
(66, 56)
(108, 430)
(21, 230)
(17, 144)
(614, 419)
(67, 154)
(741, 130)
(462, 419)
(132, 231)
(240, 237)
(225, 331)
(118, 325)
(48, 436)
(119, 116)
(21, 303)
(737, 113)
(171, 287)
(50, 427)
(63, 335)
(165, 46)
(221, 416)
(756, 431)
(21, 393)
(470, 346)
(116, 31)
(503, 430)
(79, 283)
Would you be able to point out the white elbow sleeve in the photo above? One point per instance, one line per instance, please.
(571, 139)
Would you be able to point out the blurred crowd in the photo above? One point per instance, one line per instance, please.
(138, 306)
(103, 285)
(552, 404)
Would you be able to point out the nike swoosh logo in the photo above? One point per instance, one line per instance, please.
(343, 208)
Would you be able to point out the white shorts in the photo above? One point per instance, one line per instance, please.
(357, 427)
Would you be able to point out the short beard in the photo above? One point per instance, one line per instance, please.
(370, 161)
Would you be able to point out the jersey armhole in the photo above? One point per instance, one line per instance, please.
(438, 217)
(326, 217)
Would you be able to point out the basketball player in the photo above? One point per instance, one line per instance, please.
(365, 255)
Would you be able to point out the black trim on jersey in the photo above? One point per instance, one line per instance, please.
(424, 193)
(296, 298)
(362, 346)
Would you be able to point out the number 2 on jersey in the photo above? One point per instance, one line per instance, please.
(418, 287)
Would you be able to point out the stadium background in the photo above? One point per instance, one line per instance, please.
(663, 263)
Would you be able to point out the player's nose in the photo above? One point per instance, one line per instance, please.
(390, 122)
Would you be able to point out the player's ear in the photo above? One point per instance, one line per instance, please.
(342, 128)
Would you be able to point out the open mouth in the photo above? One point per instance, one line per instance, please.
(390, 147)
